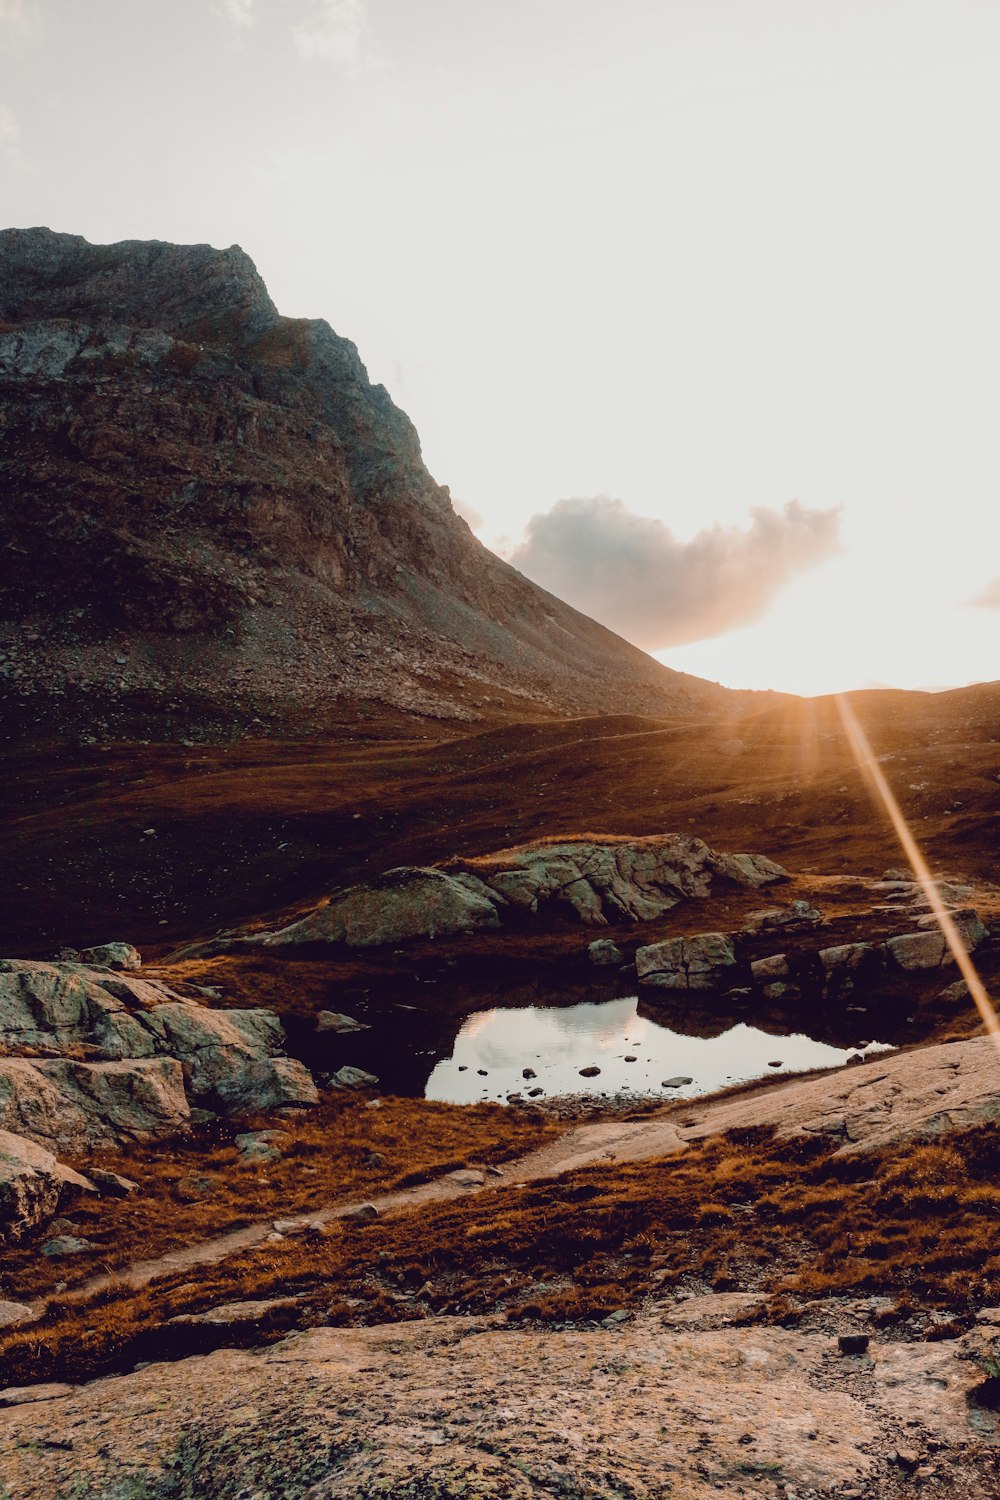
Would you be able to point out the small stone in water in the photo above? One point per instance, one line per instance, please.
(776, 1064)
(631, 1059)
(589, 1072)
(528, 1073)
(676, 1083)
(482, 1072)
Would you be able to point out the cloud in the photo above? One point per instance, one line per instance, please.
(242, 13)
(334, 30)
(989, 598)
(631, 573)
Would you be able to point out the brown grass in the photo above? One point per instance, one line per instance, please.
(740, 1212)
(198, 1188)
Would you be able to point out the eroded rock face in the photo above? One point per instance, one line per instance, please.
(616, 880)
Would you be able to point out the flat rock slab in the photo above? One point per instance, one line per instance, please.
(351, 1413)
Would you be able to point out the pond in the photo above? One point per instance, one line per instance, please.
(466, 1042)
(634, 1053)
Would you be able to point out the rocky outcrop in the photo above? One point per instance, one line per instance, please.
(400, 904)
(636, 1407)
(209, 513)
(109, 1056)
(615, 880)
(837, 972)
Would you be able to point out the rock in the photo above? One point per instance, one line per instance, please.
(795, 914)
(968, 921)
(112, 956)
(111, 1185)
(604, 953)
(528, 1073)
(33, 1184)
(12, 1313)
(23, 1395)
(853, 1343)
(363, 1214)
(268, 1083)
(680, 1082)
(72, 1106)
(67, 1244)
(335, 1020)
(467, 1178)
(919, 950)
(844, 957)
(703, 962)
(777, 1063)
(401, 904)
(764, 970)
(263, 1313)
(590, 1072)
(263, 1145)
(352, 1078)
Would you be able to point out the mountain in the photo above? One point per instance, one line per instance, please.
(211, 520)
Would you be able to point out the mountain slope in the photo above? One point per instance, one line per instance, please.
(210, 516)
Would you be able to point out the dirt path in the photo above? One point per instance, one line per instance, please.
(923, 1092)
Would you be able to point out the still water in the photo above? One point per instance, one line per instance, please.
(633, 1052)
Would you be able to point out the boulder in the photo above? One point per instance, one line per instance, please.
(112, 956)
(703, 962)
(111, 1184)
(12, 1313)
(71, 1106)
(67, 1244)
(968, 921)
(919, 950)
(33, 1184)
(352, 1078)
(335, 1020)
(268, 1083)
(262, 1145)
(605, 954)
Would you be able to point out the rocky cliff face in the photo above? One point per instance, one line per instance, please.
(210, 516)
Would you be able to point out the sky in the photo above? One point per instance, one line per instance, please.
(694, 303)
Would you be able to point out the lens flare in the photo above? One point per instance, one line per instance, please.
(872, 771)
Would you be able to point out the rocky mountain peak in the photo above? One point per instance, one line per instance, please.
(191, 291)
(211, 519)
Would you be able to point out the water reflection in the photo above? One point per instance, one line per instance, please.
(633, 1051)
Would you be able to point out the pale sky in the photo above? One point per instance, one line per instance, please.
(675, 261)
